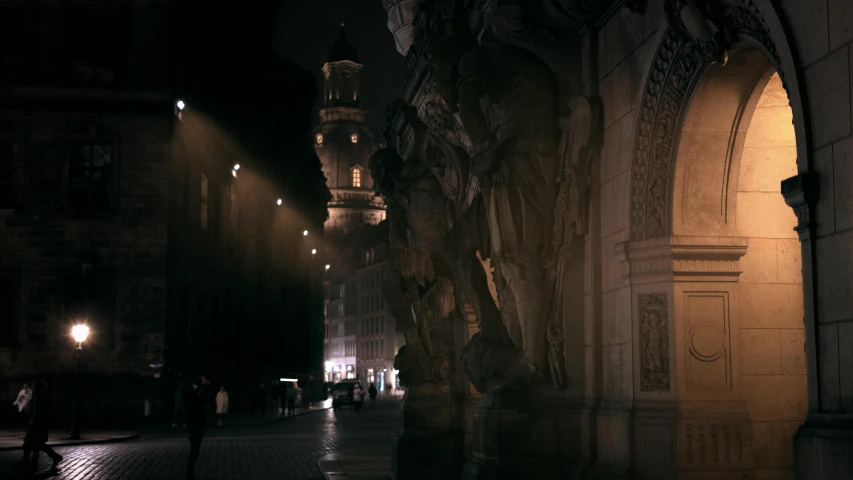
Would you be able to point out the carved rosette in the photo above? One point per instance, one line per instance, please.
(678, 65)
(654, 343)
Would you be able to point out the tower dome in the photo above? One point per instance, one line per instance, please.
(342, 49)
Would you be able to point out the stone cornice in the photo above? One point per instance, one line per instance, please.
(687, 258)
(342, 114)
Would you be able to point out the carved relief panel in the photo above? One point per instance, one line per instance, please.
(654, 342)
(707, 326)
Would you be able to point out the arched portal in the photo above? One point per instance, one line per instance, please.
(713, 262)
(736, 144)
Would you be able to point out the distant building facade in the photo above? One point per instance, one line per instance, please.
(360, 334)
(122, 211)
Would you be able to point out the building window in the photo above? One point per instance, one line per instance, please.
(89, 177)
(353, 137)
(319, 138)
(356, 177)
(203, 204)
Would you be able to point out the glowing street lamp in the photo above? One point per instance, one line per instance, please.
(313, 251)
(278, 202)
(79, 333)
(304, 233)
(236, 167)
(180, 104)
(328, 266)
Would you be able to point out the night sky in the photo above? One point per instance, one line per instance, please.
(306, 29)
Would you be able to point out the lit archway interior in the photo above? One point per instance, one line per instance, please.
(737, 144)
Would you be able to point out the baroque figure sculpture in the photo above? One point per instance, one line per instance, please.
(532, 183)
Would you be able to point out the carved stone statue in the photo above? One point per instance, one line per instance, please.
(507, 102)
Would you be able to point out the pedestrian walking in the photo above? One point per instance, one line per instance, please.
(277, 401)
(35, 440)
(24, 403)
(194, 396)
(283, 387)
(371, 392)
(292, 392)
(221, 405)
(178, 417)
(358, 397)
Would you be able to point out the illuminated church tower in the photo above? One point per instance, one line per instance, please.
(344, 144)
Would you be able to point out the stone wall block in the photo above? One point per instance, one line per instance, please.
(825, 208)
(631, 34)
(828, 87)
(808, 21)
(612, 32)
(793, 351)
(828, 359)
(845, 361)
(834, 264)
(840, 23)
(761, 351)
(841, 183)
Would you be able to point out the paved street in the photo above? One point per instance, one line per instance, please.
(288, 449)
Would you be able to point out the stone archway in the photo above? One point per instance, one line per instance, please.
(707, 224)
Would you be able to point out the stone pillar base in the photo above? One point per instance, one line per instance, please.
(532, 433)
(426, 456)
(823, 448)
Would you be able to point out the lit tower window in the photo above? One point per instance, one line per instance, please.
(356, 177)
(319, 138)
(353, 137)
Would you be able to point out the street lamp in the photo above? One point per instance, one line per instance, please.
(304, 233)
(313, 251)
(80, 333)
(278, 202)
(328, 267)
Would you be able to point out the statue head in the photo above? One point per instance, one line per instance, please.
(441, 118)
(384, 167)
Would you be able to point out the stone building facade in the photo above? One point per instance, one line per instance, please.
(355, 335)
(660, 188)
(122, 210)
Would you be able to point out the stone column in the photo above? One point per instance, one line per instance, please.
(536, 431)
(823, 444)
(689, 420)
(430, 445)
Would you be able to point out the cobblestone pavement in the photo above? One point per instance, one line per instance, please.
(284, 450)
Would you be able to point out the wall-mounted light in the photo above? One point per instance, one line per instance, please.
(236, 167)
(313, 251)
(328, 267)
(278, 202)
(180, 104)
(304, 233)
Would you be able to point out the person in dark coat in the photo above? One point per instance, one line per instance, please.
(371, 392)
(194, 398)
(35, 440)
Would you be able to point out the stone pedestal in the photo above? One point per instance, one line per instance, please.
(823, 447)
(431, 445)
(525, 433)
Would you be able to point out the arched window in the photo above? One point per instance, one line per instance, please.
(356, 177)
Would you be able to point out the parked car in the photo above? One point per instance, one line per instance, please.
(342, 393)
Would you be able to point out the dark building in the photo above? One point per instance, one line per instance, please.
(120, 209)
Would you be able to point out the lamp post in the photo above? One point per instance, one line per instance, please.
(79, 333)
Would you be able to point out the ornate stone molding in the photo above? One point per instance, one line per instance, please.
(401, 14)
(678, 65)
(800, 194)
(687, 258)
